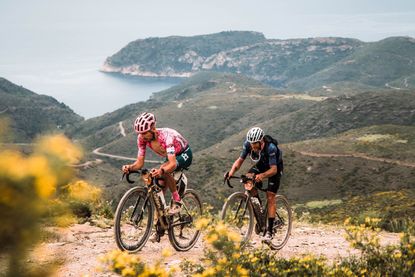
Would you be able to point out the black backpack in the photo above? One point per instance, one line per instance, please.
(268, 139)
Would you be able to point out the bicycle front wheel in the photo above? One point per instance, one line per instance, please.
(238, 215)
(282, 224)
(183, 233)
(133, 220)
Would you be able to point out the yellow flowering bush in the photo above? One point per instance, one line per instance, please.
(129, 265)
(224, 257)
(227, 259)
(392, 260)
(33, 190)
(82, 198)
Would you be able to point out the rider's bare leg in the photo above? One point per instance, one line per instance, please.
(272, 208)
(170, 182)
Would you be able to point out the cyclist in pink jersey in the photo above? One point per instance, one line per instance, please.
(167, 143)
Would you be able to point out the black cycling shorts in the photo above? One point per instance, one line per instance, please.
(273, 181)
(184, 159)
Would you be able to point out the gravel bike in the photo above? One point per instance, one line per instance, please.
(241, 208)
(137, 209)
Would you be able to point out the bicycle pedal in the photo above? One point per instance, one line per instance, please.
(267, 242)
(155, 238)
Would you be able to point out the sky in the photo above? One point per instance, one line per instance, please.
(127, 20)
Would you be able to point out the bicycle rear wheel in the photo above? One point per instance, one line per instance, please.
(238, 215)
(282, 224)
(133, 220)
(182, 232)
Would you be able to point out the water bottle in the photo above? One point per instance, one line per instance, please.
(182, 185)
(160, 194)
(184, 179)
(257, 205)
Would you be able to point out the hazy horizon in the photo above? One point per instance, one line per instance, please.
(130, 20)
(57, 47)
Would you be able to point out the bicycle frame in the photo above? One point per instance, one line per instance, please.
(261, 218)
(153, 188)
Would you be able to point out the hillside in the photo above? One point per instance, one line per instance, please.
(314, 178)
(295, 64)
(207, 108)
(30, 114)
(175, 56)
(374, 64)
(339, 114)
(231, 104)
(306, 177)
(383, 141)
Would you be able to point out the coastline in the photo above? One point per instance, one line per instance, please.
(134, 70)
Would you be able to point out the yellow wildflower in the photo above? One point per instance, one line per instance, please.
(166, 252)
(128, 271)
(202, 223)
(61, 147)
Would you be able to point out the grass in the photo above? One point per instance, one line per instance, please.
(396, 209)
(381, 141)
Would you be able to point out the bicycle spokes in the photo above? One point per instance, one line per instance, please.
(133, 220)
(183, 233)
(238, 215)
(282, 223)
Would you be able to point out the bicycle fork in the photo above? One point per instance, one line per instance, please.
(135, 216)
(244, 209)
(260, 214)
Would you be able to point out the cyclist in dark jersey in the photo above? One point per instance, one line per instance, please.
(269, 164)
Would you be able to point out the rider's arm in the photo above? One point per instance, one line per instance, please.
(236, 165)
(269, 173)
(170, 166)
(137, 164)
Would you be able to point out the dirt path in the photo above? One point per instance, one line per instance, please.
(122, 130)
(80, 246)
(88, 164)
(389, 86)
(355, 155)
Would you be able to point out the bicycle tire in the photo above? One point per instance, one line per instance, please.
(128, 209)
(183, 223)
(282, 224)
(232, 218)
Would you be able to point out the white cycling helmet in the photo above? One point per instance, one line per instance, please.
(144, 122)
(255, 134)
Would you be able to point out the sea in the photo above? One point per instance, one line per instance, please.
(57, 49)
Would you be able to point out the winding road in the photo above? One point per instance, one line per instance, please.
(119, 157)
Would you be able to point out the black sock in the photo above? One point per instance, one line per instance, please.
(270, 224)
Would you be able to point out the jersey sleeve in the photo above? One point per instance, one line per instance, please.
(273, 154)
(245, 150)
(141, 145)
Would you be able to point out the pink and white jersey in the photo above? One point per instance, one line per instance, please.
(170, 140)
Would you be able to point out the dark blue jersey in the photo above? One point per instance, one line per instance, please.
(270, 155)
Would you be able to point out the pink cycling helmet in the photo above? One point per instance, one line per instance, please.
(144, 122)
